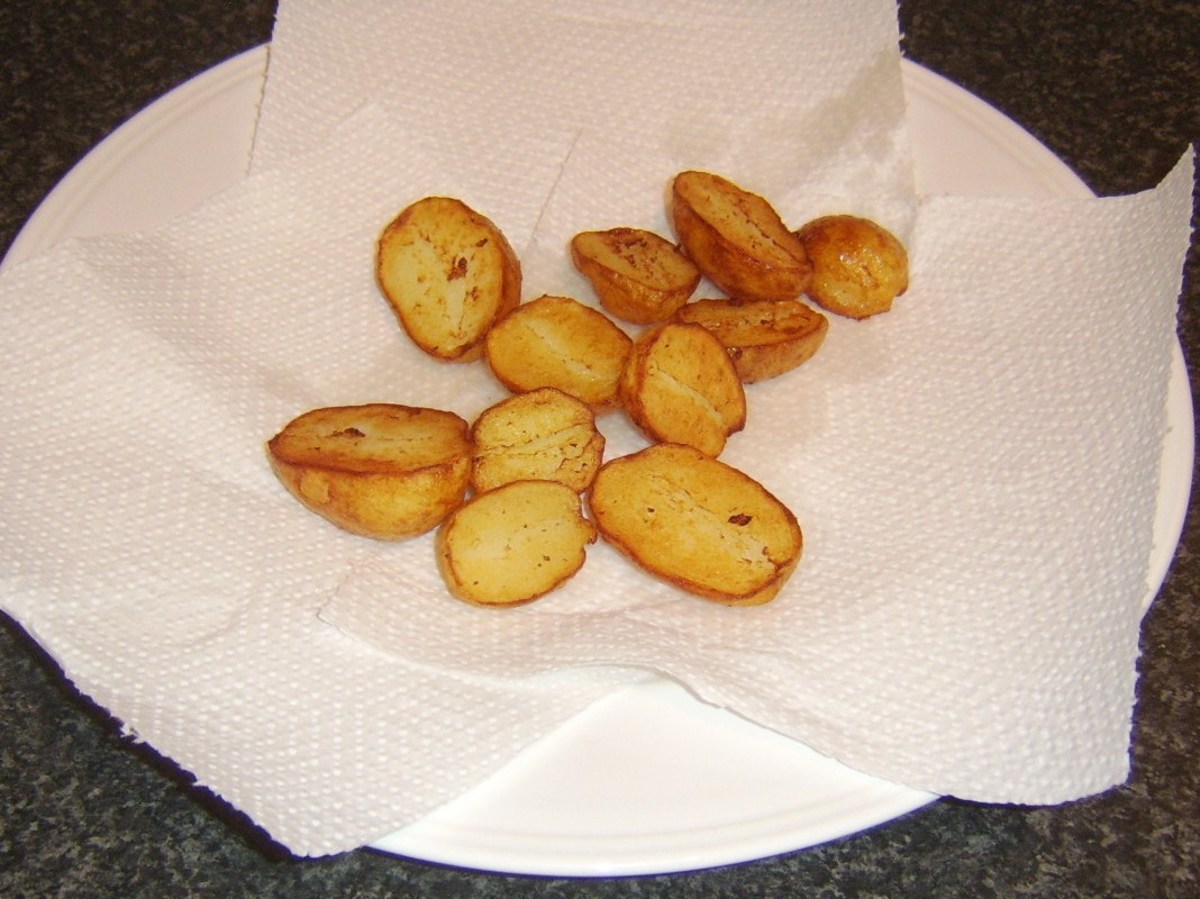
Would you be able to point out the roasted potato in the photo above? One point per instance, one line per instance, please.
(764, 338)
(540, 435)
(697, 523)
(449, 274)
(737, 239)
(379, 470)
(638, 276)
(514, 544)
(680, 386)
(559, 342)
(859, 267)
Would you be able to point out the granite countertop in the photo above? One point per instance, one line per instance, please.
(1112, 86)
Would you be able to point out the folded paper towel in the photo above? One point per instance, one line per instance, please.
(809, 97)
(156, 558)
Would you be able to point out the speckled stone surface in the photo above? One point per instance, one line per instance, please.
(1112, 86)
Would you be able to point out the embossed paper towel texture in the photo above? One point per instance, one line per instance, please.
(976, 475)
(626, 140)
(169, 593)
(150, 550)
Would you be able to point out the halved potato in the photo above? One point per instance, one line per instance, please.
(737, 239)
(859, 267)
(559, 342)
(680, 386)
(379, 470)
(514, 544)
(449, 273)
(638, 276)
(697, 523)
(540, 435)
(764, 338)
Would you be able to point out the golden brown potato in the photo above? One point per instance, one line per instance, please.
(540, 435)
(737, 239)
(680, 386)
(379, 470)
(449, 274)
(859, 267)
(559, 342)
(514, 544)
(764, 338)
(697, 523)
(638, 276)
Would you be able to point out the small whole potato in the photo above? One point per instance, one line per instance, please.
(859, 267)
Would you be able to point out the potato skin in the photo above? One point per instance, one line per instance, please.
(637, 275)
(697, 523)
(680, 386)
(859, 267)
(379, 470)
(737, 239)
(514, 544)
(764, 338)
(449, 274)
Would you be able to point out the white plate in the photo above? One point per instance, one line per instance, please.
(649, 780)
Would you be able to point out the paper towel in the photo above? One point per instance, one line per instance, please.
(149, 549)
(777, 94)
(145, 540)
(976, 475)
